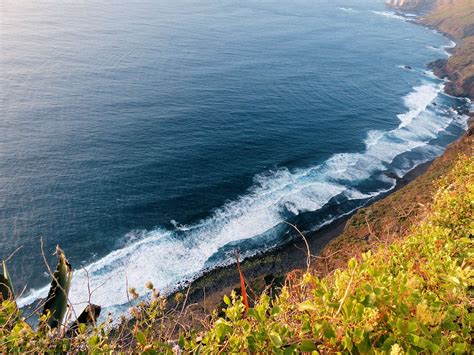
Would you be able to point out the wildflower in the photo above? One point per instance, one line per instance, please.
(149, 285)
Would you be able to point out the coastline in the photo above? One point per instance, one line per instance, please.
(271, 265)
(268, 269)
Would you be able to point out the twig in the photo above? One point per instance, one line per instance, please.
(346, 293)
(13, 253)
(181, 312)
(328, 256)
(126, 289)
(370, 230)
(308, 250)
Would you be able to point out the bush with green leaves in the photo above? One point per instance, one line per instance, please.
(412, 296)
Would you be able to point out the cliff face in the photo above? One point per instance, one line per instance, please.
(456, 18)
(419, 4)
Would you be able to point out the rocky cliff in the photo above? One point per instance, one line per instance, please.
(456, 19)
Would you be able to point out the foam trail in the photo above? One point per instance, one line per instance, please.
(417, 101)
(347, 9)
(391, 15)
(168, 257)
(443, 49)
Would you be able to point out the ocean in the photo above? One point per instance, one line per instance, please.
(151, 139)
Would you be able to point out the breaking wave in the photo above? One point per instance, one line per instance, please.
(391, 15)
(169, 257)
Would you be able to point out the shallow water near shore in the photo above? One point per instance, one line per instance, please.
(160, 137)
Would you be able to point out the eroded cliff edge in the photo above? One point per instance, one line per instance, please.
(454, 18)
(457, 21)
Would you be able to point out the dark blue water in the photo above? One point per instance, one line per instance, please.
(149, 138)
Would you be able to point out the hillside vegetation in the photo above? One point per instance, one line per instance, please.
(410, 296)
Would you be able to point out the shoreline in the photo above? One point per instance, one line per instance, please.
(268, 268)
(265, 267)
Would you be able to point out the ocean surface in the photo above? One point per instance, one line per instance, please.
(150, 139)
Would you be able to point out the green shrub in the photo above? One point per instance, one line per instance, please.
(410, 297)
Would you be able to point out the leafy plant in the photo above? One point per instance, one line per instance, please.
(57, 300)
(6, 287)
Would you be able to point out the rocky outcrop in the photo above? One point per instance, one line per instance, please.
(459, 69)
(456, 19)
(453, 17)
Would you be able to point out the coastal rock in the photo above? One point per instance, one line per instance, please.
(455, 18)
(439, 67)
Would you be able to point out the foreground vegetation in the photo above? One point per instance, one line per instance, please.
(410, 296)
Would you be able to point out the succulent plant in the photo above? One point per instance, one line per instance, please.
(6, 287)
(57, 300)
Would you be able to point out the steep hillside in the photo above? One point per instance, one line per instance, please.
(419, 5)
(457, 21)
(455, 18)
(397, 280)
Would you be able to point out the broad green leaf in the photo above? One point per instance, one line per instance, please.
(328, 330)
(222, 330)
(276, 339)
(307, 346)
(227, 300)
(307, 306)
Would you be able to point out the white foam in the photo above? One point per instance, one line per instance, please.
(168, 257)
(405, 67)
(391, 15)
(347, 9)
(372, 138)
(417, 101)
(431, 75)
